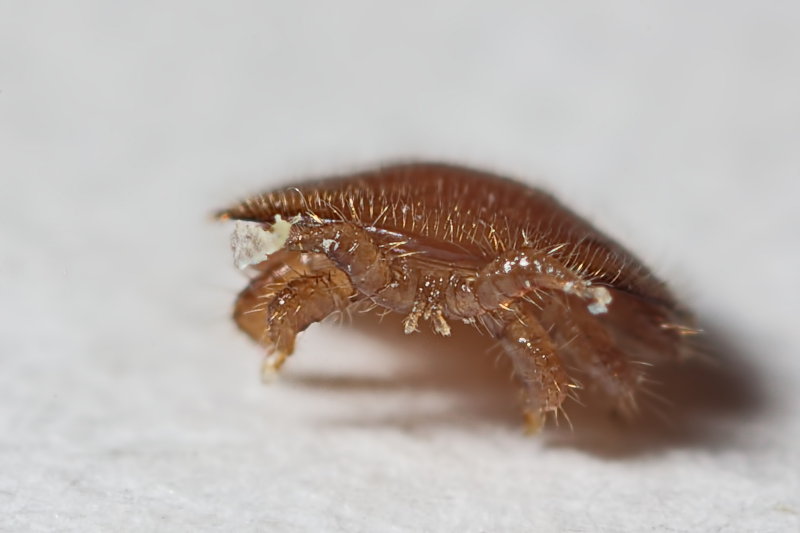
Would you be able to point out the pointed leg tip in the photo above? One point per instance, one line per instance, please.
(533, 422)
(270, 367)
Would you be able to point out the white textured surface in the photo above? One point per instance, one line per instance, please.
(128, 402)
(251, 243)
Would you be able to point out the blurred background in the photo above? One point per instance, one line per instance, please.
(128, 400)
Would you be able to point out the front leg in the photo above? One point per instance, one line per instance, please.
(293, 291)
(350, 248)
(375, 271)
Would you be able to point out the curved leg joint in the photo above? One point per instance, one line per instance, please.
(282, 302)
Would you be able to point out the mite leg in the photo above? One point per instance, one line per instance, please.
(654, 332)
(350, 248)
(536, 365)
(595, 351)
(276, 272)
(518, 273)
(374, 271)
(277, 305)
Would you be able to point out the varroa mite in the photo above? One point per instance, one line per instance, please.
(440, 243)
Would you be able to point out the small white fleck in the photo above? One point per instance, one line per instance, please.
(601, 300)
(523, 261)
(328, 244)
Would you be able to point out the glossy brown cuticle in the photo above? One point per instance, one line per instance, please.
(438, 243)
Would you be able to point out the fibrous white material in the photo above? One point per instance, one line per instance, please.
(252, 243)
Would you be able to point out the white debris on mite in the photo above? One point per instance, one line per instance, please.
(327, 244)
(600, 295)
(601, 300)
(252, 243)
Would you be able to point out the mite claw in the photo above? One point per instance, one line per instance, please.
(533, 422)
(271, 365)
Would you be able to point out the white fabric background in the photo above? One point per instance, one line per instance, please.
(128, 400)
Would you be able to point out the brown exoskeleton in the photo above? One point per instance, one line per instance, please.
(440, 243)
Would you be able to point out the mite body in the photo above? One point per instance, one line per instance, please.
(438, 243)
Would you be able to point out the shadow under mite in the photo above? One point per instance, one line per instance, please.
(703, 402)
